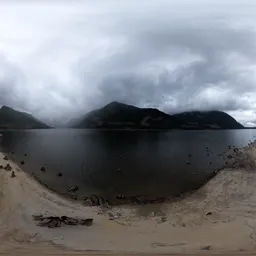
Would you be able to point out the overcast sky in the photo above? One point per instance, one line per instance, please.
(63, 58)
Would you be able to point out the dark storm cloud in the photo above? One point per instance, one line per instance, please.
(219, 50)
(218, 78)
(173, 55)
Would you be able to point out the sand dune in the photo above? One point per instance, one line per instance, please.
(218, 218)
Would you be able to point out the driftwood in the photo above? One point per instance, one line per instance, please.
(56, 222)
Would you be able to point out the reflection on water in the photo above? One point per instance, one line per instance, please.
(132, 162)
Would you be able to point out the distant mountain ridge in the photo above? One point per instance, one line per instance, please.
(117, 115)
(13, 119)
(208, 120)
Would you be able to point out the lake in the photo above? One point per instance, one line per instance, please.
(129, 162)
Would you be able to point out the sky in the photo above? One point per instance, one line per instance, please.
(61, 59)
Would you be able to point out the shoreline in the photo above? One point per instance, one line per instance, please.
(114, 201)
(81, 195)
(217, 218)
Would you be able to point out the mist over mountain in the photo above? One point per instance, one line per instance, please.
(13, 119)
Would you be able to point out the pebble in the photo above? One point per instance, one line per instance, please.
(42, 169)
(152, 214)
(206, 248)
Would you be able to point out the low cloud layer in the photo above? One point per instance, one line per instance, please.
(59, 59)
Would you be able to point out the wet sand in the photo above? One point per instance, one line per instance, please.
(217, 218)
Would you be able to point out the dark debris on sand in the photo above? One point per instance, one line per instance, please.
(8, 167)
(97, 201)
(56, 222)
(121, 200)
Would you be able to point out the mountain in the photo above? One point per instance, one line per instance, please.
(117, 115)
(13, 119)
(207, 120)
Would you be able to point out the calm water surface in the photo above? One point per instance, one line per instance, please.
(157, 163)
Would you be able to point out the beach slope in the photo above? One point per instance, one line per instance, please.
(217, 218)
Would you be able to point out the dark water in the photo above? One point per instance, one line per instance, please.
(150, 162)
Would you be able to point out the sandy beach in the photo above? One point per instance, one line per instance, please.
(219, 218)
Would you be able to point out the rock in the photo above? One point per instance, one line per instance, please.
(59, 174)
(22, 162)
(75, 197)
(13, 175)
(102, 202)
(163, 219)
(37, 217)
(120, 196)
(118, 170)
(50, 222)
(69, 221)
(107, 204)
(87, 202)
(230, 156)
(157, 200)
(54, 223)
(236, 150)
(209, 213)
(95, 200)
(42, 169)
(8, 167)
(73, 188)
(86, 222)
(152, 214)
(206, 248)
(214, 172)
(1, 167)
(114, 216)
(136, 200)
(5, 158)
(111, 216)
